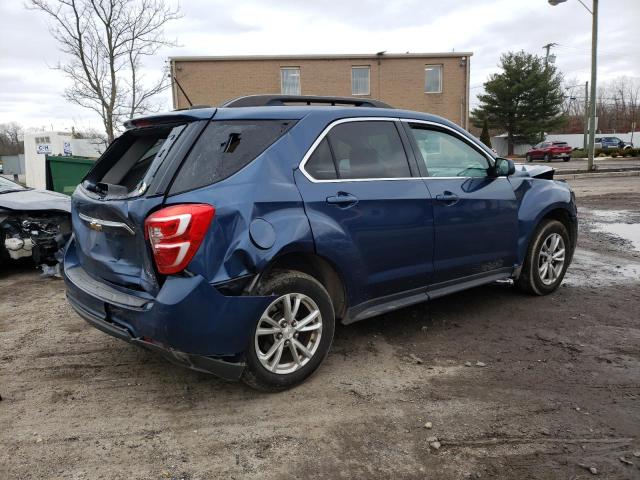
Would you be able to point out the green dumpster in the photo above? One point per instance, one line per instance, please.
(64, 173)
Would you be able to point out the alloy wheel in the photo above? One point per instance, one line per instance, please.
(551, 259)
(288, 333)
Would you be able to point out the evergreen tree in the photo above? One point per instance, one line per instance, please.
(525, 99)
(484, 136)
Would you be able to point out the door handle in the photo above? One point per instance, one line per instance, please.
(342, 200)
(448, 198)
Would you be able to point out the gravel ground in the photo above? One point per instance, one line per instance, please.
(512, 386)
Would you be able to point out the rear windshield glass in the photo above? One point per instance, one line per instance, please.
(132, 159)
(224, 148)
(560, 144)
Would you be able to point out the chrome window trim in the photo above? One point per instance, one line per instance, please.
(328, 128)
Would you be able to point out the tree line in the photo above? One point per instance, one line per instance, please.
(529, 98)
(12, 137)
(617, 106)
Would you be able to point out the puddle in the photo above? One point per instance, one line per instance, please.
(626, 231)
(592, 269)
(610, 215)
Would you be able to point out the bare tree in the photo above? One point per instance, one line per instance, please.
(617, 106)
(106, 41)
(11, 138)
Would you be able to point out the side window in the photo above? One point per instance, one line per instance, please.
(224, 148)
(320, 164)
(445, 155)
(368, 149)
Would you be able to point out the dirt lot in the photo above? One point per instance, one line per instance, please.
(559, 391)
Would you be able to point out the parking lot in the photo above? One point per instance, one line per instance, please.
(512, 386)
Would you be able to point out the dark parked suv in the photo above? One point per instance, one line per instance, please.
(232, 239)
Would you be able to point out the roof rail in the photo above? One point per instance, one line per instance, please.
(280, 100)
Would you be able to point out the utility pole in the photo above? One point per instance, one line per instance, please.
(594, 66)
(586, 116)
(547, 47)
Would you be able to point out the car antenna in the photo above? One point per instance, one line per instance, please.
(181, 89)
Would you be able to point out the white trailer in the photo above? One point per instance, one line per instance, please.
(39, 144)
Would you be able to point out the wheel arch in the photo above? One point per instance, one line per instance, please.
(319, 268)
(558, 211)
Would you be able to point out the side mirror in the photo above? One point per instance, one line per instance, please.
(504, 167)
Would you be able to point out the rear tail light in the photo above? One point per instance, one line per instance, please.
(175, 233)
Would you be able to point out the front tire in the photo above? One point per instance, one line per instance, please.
(547, 259)
(528, 158)
(547, 157)
(294, 333)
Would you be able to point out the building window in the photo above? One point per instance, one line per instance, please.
(360, 80)
(433, 79)
(290, 81)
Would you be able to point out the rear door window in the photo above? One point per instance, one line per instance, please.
(224, 148)
(320, 165)
(368, 150)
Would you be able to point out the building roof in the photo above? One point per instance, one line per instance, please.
(320, 56)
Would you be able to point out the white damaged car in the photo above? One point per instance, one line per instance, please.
(33, 223)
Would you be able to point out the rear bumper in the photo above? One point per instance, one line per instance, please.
(189, 322)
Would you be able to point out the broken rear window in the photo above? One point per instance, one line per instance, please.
(224, 148)
(132, 160)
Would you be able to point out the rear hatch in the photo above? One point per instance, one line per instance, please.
(129, 181)
(561, 147)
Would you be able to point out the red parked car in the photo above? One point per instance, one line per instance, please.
(549, 150)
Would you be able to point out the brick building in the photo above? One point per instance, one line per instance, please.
(436, 83)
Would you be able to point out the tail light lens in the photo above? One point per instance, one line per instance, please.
(175, 233)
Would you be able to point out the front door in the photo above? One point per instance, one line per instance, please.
(369, 215)
(475, 213)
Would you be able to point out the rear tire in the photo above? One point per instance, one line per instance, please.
(547, 157)
(297, 348)
(528, 158)
(534, 278)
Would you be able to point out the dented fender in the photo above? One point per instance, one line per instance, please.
(536, 198)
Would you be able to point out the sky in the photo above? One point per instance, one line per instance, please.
(31, 90)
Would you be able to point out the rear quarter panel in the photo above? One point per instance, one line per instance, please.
(262, 193)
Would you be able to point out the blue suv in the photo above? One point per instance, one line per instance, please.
(231, 239)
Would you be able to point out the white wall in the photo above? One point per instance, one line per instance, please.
(35, 162)
(575, 140)
(500, 146)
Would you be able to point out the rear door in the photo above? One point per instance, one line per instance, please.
(475, 214)
(369, 214)
(111, 205)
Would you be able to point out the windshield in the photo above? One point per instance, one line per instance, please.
(7, 185)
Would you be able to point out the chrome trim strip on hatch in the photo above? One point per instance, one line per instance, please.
(98, 224)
